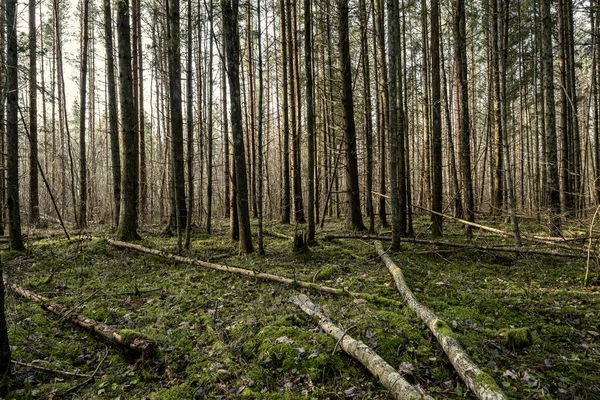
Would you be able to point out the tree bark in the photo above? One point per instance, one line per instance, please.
(12, 129)
(174, 51)
(34, 201)
(387, 375)
(436, 124)
(553, 188)
(354, 219)
(129, 154)
(83, 185)
(460, 60)
(137, 343)
(286, 204)
(482, 385)
(113, 122)
(232, 40)
(310, 118)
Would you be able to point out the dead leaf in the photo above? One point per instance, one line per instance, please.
(284, 340)
(406, 368)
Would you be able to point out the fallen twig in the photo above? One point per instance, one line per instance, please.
(482, 384)
(51, 370)
(82, 384)
(387, 375)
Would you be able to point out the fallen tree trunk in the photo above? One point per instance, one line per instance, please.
(257, 275)
(482, 384)
(125, 338)
(387, 375)
(499, 249)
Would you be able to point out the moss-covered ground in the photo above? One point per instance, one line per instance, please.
(221, 335)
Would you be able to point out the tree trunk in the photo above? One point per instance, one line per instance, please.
(34, 201)
(260, 162)
(143, 185)
(460, 60)
(498, 188)
(209, 144)
(113, 122)
(387, 375)
(310, 118)
(436, 124)
(482, 385)
(232, 40)
(286, 196)
(393, 36)
(129, 155)
(83, 191)
(553, 187)
(174, 51)
(354, 219)
(189, 127)
(383, 102)
(12, 129)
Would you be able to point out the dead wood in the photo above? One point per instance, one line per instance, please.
(278, 235)
(482, 385)
(252, 274)
(387, 375)
(498, 249)
(127, 339)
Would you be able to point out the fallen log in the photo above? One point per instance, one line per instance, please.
(499, 249)
(278, 235)
(387, 375)
(480, 383)
(126, 338)
(257, 275)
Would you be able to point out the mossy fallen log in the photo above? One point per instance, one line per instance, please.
(127, 338)
(257, 275)
(497, 249)
(387, 375)
(483, 385)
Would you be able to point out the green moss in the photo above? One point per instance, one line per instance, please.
(183, 391)
(487, 381)
(516, 339)
(443, 329)
(129, 335)
(326, 273)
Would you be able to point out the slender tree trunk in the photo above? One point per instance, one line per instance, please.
(436, 124)
(310, 118)
(425, 73)
(143, 198)
(460, 60)
(367, 117)
(232, 39)
(2, 117)
(553, 187)
(209, 144)
(259, 167)
(510, 194)
(129, 154)
(498, 188)
(225, 127)
(34, 201)
(82, 114)
(189, 127)
(354, 218)
(12, 129)
(174, 51)
(393, 36)
(112, 112)
(286, 197)
(383, 101)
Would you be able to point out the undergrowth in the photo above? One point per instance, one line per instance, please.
(226, 336)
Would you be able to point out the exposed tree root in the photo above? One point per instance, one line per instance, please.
(498, 249)
(125, 338)
(482, 385)
(387, 375)
(253, 274)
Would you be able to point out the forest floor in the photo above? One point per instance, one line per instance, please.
(222, 335)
